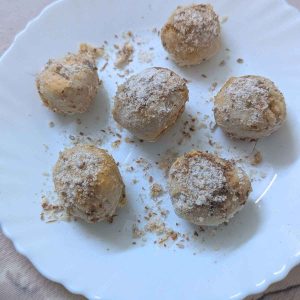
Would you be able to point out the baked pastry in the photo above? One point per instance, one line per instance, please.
(249, 107)
(192, 34)
(70, 84)
(207, 190)
(150, 102)
(88, 183)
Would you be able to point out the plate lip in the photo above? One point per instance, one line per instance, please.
(292, 261)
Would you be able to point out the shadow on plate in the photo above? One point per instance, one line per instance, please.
(117, 235)
(174, 139)
(281, 148)
(237, 232)
(215, 69)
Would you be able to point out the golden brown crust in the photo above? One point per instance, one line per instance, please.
(192, 34)
(70, 84)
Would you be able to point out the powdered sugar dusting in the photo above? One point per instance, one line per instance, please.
(71, 65)
(76, 173)
(198, 23)
(124, 55)
(200, 182)
(147, 94)
(248, 100)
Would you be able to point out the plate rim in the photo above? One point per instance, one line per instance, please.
(292, 261)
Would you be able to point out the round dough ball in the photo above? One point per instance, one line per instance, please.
(88, 182)
(70, 84)
(150, 102)
(192, 34)
(249, 107)
(207, 190)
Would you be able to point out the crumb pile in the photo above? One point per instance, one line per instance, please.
(124, 55)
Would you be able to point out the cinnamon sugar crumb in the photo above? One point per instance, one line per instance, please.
(129, 141)
(156, 190)
(222, 63)
(136, 232)
(124, 56)
(155, 225)
(53, 212)
(103, 67)
(256, 158)
(95, 52)
(213, 86)
(129, 168)
(116, 143)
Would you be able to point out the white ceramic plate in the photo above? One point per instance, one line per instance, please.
(259, 246)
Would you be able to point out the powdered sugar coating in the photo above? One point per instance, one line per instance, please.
(203, 184)
(192, 34)
(249, 99)
(199, 23)
(205, 189)
(149, 102)
(249, 107)
(88, 182)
